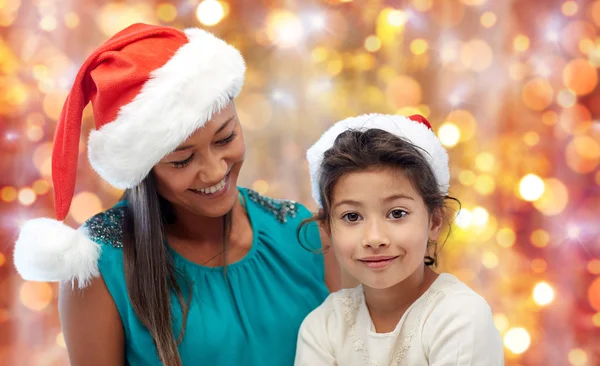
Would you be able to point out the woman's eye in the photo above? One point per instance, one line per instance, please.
(182, 163)
(227, 139)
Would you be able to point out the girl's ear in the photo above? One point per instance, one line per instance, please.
(435, 224)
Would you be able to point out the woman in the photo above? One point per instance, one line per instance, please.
(186, 268)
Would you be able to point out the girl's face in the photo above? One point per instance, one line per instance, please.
(200, 176)
(380, 226)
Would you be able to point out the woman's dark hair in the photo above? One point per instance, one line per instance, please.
(355, 150)
(150, 274)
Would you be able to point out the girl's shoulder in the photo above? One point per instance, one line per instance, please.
(339, 308)
(453, 299)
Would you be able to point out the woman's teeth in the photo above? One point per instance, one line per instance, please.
(214, 189)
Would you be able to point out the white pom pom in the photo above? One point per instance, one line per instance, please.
(48, 250)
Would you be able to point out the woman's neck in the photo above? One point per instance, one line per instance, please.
(199, 229)
(386, 306)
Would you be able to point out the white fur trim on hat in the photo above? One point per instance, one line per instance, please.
(201, 78)
(48, 250)
(415, 132)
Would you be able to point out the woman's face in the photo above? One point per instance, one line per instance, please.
(200, 176)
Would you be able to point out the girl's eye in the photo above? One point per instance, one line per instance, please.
(182, 163)
(397, 214)
(227, 139)
(351, 217)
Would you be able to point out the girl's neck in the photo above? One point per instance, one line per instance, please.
(387, 306)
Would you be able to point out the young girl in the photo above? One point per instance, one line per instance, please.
(381, 182)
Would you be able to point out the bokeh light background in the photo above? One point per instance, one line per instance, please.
(510, 86)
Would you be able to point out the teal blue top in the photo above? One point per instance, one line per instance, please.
(250, 318)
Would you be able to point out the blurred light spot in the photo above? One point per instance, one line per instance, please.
(210, 12)
(84, 206)
(284, 28)
(404, 91)
(166, 12)
(501, 322)
(578, 357)
(48, 23)
(488, 19)
(543, 294)
(35, 133)
(540, 238)
(8, 194)
(372, 43)
(60, 340)
(517, 340)
(566, 98)
(261, 186)
(463, 218)
(517, 71)
(537, 94)
(476, 55)
(594, 294)
(521, 43)
(569, 8)
(465, 121)
(531, 187)
(467, 177)
(549, 118)
(419, 46)
(397, 18)
(26, 196)
(422, 5)
(2, 259)
(580, 76)
(506, 237)
(41, 187)
(596, 319)
(554, 199)
(593, 266)
(583, 154)
(449, 134)
(531, 138)
(35, 295)
(71, 20)
(573, 232)
(586, 46)
(489, 260)
(473, 2)
(538, 265)
(485, 162)
(479, 216)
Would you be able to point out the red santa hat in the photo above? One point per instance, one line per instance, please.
(416, 129)
(150, 87)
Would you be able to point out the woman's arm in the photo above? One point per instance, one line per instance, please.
(91, 325)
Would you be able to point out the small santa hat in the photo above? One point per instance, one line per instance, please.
(150, 87)
(415, 129)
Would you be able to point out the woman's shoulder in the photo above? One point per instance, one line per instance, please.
(279, 210)
(106, 228)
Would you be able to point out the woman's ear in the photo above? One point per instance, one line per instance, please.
(323, 223)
